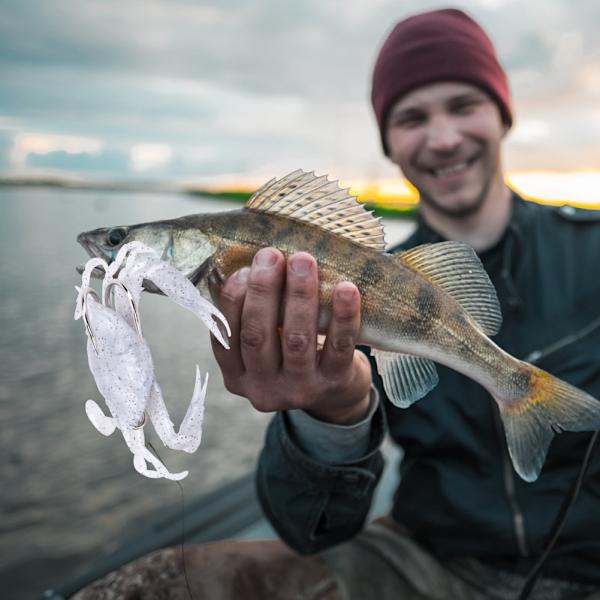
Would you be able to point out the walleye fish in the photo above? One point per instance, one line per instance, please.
(433, 303)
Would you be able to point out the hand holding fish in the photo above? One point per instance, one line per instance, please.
(279, 371)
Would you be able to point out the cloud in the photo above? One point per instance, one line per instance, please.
(261, 84)
(25, 144)
(107, 164)
(145, 157)
(530, 131)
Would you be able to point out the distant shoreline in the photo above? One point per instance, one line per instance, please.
(238, 196)
(68, 184)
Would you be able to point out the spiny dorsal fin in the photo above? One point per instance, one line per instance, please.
(456, 268)
(305, 197)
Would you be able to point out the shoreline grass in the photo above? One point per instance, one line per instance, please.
(403, 212)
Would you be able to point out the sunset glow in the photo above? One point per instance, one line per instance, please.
(578, 188)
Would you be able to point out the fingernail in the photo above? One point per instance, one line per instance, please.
(299, 264)
(243, 275)
(265, 258)
(345, 291)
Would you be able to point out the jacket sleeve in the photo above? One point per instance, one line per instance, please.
(313, 505)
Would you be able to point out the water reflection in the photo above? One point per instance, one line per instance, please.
(69, 495)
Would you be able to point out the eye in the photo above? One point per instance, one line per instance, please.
(463, 107)
(466, 105)
(116, 236)
(407, 119)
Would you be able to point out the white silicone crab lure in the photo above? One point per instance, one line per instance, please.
(120, 359)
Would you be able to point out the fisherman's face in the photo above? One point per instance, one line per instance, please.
(446, 139)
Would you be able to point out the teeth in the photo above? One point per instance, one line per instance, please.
(450, 170)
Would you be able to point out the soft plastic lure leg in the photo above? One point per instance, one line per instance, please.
(105, 425)
(134, 438)
(190, 432)
(174, 285)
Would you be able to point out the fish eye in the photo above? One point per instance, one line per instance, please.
(116, 236)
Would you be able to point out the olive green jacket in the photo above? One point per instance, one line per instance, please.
(458, 494)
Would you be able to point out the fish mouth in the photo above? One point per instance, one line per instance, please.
(93, 252)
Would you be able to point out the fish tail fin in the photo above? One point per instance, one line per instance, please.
(547, 406)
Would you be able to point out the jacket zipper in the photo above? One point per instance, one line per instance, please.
(536, 355)
(507, 469)
(509, 488)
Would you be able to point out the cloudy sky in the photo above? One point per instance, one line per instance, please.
(195, 90)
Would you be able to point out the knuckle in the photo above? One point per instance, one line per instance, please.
(342, 344)
(229, 297)
(252, 336)
(259, 286)
(345, 316)
(296, 343)
(300, 291)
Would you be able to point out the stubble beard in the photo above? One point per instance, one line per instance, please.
(461, 212)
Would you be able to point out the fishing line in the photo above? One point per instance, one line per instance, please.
(185, 573)
(559, 521)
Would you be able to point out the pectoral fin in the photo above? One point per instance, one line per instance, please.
(406, 378)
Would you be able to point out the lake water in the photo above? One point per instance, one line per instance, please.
(70, 495)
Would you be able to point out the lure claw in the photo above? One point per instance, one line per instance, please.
(120, 359)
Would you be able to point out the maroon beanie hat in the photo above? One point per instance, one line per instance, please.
(441, 45)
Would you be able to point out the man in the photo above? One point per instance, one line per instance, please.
(471, 525)
(463, 524)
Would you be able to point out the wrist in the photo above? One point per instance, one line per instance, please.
(347, 415)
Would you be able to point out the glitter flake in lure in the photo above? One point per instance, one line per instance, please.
(120, 359)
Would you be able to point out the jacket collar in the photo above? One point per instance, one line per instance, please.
(517, 226)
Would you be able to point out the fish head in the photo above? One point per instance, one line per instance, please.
(188, 248)
(106, 242)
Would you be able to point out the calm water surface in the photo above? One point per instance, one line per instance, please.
(70, 495)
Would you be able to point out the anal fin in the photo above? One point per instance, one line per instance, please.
(406, 378)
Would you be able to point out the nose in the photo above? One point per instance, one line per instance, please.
(443, 134)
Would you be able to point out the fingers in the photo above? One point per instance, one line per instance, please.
(299, 335)
(342, 333)
(231, 301)
(277, 372)
(259, 338)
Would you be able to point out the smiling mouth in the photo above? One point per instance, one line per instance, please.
(454, 169)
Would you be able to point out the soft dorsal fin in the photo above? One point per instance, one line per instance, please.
(305, 197)
(456, 268)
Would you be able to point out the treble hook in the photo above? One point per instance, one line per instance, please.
(136, 316)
